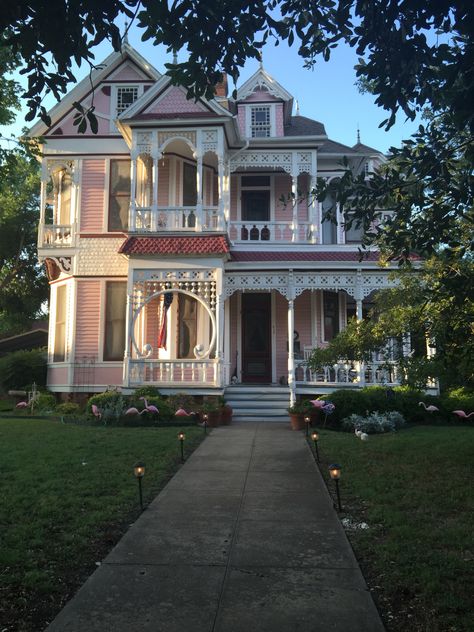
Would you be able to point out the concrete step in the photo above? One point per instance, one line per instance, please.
(259, 402)
(264, 412)
(254, 397)
(256, 418)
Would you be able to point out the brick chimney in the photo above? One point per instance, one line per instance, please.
(221, 88)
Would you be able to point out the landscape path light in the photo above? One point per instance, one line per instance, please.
(139, 472)
(335, 474)
(315, 438)
(182, 437)
(205, 417)
(307, 421)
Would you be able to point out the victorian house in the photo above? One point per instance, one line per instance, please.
(182, 248)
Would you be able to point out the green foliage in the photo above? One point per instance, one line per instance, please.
(298, 408)
(182, 400)
(145, 391)
(374, 423)
(20, 369)
(458, 399)
(68, 408)
(211, 406)
(45, 403)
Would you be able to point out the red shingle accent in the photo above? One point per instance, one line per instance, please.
(196, 245)
(302, 256)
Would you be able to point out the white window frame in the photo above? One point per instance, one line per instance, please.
(114, 100)
(270, 188)
(248, 119)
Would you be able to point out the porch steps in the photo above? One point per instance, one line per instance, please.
(258, 403)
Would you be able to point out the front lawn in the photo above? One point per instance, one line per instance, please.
(67, 494)
(414, 491)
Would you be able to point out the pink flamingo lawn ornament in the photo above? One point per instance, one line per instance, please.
(96, 412)
(430, 408)
(182, 413)
(462, 415)
(318, 403)
(22, 405)
(149, 408)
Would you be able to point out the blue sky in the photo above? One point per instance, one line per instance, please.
(327, 93)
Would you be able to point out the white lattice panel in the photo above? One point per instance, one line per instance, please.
(262, 159)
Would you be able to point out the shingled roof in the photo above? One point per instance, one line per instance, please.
(195, 245)
(303, 126)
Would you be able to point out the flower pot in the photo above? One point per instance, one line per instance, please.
(297, 421)
(226, 415)
(214, 418)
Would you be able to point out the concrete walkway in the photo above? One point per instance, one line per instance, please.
(244, 538)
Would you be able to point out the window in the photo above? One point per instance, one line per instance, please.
(126, 96)
(115, 307)
(260, 123)
(255, 198)
(62, 184)
(119, 195)
(144, 188)
(354, 233)
(60, 324)
(330, 315)
(187, 331)
(329, 219)
(189, 185)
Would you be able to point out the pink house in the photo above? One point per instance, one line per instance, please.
(173, 260)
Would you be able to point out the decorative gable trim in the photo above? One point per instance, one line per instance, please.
(261, 80)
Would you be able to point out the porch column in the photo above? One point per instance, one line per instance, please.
(360, 366)
(133, 187)
(128, 338)
(312, 210)
(294, 195)
(220, 174)
(199, 187)
(154, 206)
(220, 305)
(291, 354)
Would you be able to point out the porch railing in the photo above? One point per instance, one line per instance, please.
(344, 375)
(175, 218)
(174, 372)
(245, 231)
(55, 235)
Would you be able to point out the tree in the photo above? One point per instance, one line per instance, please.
(23, 285)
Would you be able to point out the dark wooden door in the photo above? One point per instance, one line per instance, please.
(256, 338)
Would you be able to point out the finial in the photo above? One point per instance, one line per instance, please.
(358, 133)
(297, 106)
(175, 58)
(261, 60)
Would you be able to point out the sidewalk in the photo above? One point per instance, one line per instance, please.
(244, 538)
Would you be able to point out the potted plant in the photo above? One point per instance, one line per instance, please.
(213, 413)
(297, 413)
(226, 411)
(313, 411)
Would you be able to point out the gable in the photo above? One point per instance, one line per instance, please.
(260, 96)
(127, 72)
(174, 101)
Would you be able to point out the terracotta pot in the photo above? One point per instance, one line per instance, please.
(226, 415)
(297, 421)
(214, 419)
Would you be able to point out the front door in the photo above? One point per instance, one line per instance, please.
(256, 338)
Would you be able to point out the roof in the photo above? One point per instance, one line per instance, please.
(186, 245)
(361, 148)
(332, 147)
(310, 255)
(153, 116)
(303, 126)
(34, 339)
(261, 80)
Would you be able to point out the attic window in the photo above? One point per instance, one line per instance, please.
(260, 125)
(126, 96)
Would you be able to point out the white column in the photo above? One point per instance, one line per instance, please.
(220, 175)
(359, 309)
(294, 196)
(220, 338)
(291, 355)
(340, 232)
(154, 206)
(312, 210)
(133, 187)
(128, 335)
(199, 193)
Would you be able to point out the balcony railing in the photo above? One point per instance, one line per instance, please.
(55, 235)
(174, 372)
(175, 219)
(242, 232)
(385, 373)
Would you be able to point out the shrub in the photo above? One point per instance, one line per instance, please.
(182, 400)
(45, 403)
(374, 422)
(145, 391)
(68, 408)
(111, 404)
(458, 399)
(20, 369)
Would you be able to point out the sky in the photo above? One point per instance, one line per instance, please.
(327, 93)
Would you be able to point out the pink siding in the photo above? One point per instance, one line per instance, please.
(279, 120)
(57, 376)
(108, 375)
(92, 195)
(303, 318)
(260, 95)
(102, 101)
(66, 126)
(173, 102)
(233, 197)
(282, 188)
(88, 319)
(241, 119)
(304, 188)
(163, 182)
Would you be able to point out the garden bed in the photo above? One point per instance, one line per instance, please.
(67, 495)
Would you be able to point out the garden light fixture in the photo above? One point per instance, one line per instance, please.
(315, 438)
(182, 437)
(139, 472)
(205, 417)
(307, 421)
(335, 474)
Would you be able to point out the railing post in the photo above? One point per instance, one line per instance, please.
(291, 354)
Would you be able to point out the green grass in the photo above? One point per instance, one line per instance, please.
(414, 490)
(67, 494)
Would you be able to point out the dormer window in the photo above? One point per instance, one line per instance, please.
(260, 123)
(126, 96)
